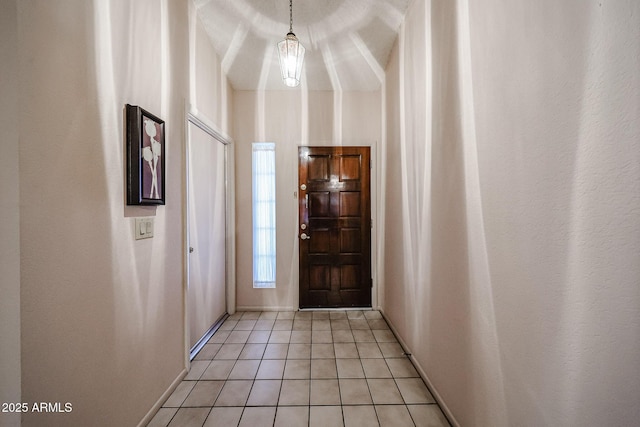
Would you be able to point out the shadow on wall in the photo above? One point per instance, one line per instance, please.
(450, 313)
(513, 214)
(95, 302)
(66, 283)
(532, 84)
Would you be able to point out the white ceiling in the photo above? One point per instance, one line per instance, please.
(347, 41)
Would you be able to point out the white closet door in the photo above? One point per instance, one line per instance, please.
(206, 297)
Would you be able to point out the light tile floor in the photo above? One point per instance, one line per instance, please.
(305, 368)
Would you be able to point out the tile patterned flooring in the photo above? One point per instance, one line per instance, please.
(304, 368)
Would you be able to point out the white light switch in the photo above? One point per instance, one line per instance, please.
(144, 228)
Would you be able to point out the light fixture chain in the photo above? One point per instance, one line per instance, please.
(291, 16)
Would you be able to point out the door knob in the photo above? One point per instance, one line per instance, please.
(304, 236)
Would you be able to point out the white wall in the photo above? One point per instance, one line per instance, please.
(10, 214)
(211, 95)
(289, 118)
(102, 314)
(511, 266)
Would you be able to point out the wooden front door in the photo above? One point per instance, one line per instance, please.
(334, 226)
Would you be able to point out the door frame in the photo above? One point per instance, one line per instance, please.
(203, 123)
(374, 196)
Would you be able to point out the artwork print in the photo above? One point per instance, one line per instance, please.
(151, 153)
(145, 158)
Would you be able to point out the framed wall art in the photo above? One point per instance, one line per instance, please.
(145, 157)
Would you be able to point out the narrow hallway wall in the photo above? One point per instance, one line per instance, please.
(512, 190)
(102, 314)
(9, 215)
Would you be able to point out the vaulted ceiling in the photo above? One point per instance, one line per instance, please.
(347, 42)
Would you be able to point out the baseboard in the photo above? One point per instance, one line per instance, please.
(337, 309)
(445, 409)
(154, 409)
(263, 308)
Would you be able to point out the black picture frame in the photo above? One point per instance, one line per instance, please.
(145, 157)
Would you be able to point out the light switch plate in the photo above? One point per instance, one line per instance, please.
(144, 228)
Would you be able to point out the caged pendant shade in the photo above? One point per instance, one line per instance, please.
(291, 55)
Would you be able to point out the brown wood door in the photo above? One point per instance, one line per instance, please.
(334, 226)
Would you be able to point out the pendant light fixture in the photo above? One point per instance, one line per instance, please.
(291, 54)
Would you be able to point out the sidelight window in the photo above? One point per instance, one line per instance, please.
(264, 214)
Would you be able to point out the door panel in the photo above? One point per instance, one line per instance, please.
(335, 227)
(318, 168)
(350, 204)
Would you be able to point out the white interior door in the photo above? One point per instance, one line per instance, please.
(206, 294)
